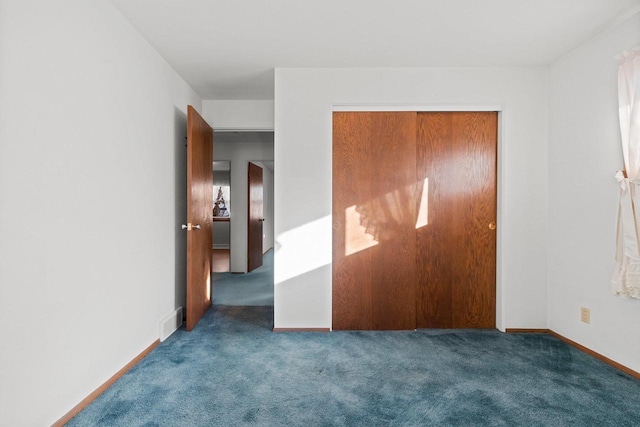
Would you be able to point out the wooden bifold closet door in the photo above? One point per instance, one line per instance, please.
(414, 210)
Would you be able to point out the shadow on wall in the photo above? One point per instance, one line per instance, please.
(180, 194)
(362, 226)
(304, 254)
(384, 218)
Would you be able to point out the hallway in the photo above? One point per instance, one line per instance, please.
(249, 289)
(220, 260)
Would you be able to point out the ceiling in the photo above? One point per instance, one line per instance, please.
(228, 49)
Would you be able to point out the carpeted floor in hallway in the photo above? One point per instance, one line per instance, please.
(254, 288)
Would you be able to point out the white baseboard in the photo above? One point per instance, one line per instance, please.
(170, 323)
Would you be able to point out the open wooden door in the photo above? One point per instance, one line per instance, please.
(254, 230)
(199, 216)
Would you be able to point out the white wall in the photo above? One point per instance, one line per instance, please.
(240, 154)
(92, 154)
(221, 229)
(238, 114)
(268, 230)
(221, 234)
(584, 154)
(304, 99)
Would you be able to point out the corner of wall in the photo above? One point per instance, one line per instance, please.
(583, 154)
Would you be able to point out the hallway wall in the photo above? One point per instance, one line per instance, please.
(268, 241)
(240, 154)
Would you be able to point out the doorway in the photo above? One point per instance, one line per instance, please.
(221, 216)
(239, 285)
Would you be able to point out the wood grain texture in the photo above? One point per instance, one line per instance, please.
(199, 206)
(413, 270)
(374, 218)
(97, 392)
(393, 260)
(457, 152)
(434, 242)
(254, 217)
(352, 177)
(474, 268)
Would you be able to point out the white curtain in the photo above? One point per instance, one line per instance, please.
(626, 279)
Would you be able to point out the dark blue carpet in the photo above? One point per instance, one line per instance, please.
(254, 288)
(232, 370)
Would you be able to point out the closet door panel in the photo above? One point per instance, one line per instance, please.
(456, 284)
(393, 220)
(434, 240)
(352, 176)
(474, 266)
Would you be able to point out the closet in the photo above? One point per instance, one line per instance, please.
(414, 211)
